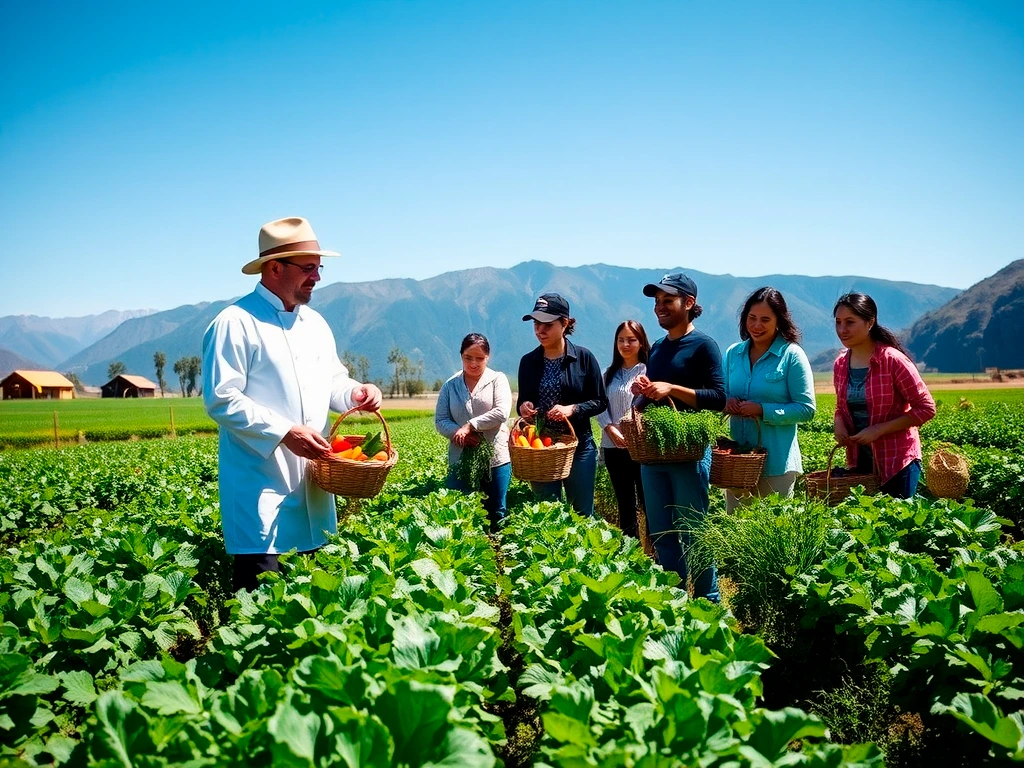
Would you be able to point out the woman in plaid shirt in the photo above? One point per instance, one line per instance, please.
(881, 399)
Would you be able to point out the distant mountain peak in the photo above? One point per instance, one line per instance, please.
(983, 327)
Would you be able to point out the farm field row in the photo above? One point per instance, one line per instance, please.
(25, 423)
(415, 639)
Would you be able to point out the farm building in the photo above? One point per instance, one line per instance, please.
(36, 385)
(126, 385)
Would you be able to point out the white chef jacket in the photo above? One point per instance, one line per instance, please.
(264, 371)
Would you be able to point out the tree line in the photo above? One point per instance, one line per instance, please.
(406, 376)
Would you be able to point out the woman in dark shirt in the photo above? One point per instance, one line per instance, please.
(561, 381)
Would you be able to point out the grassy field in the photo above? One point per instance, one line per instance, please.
(25, 423)
(28, 423)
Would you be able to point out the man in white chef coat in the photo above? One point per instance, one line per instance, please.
(271, 375)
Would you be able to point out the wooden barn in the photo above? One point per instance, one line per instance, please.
(126, 385)
(36, 385)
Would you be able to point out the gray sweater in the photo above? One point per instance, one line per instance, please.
(486, 409)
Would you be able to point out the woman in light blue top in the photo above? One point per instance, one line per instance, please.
(768, 377)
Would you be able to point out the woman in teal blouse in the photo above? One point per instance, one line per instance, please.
(768, 377)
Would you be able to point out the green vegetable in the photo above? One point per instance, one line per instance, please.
(475, 464)
(373, 445)
(667, 429)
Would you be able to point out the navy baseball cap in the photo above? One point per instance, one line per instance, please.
(677, 284)
(549, 307)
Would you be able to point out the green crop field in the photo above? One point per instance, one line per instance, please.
(26, 423)
(879, 632)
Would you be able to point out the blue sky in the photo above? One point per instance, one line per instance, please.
(141, 148)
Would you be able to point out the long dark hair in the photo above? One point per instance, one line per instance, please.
(475, 338)
(617, 361)
(783, 320)
(863, 306)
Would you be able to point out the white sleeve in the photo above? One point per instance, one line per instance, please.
(225, 371)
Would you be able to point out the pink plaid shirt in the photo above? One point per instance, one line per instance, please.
(893, 388)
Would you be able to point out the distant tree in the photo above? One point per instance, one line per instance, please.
(438, 383)
(414, 384)
(358, 365)
(181, 371)
(73, 378)
(116, 369)
(398, 359)
(159, 361)
(981, 358)
(193, 370)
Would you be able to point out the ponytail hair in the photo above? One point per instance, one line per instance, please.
(570, 326)
(864, 307)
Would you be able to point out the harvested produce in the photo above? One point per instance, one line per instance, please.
(667, 429)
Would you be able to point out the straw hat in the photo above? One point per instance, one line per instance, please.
(284, 238)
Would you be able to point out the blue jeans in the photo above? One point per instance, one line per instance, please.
(495, 490)
(579, 485)
(903, 485)
(677, 500)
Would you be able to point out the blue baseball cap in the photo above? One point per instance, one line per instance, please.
(677, 284)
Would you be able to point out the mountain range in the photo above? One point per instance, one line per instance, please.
(48, 342)
(982, 327)
(427, 319)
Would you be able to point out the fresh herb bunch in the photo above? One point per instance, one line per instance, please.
(667, 429)
(474, 465)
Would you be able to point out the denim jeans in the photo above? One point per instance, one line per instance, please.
(494, 489)
(677, 500)
(579, 485)
(903, 485)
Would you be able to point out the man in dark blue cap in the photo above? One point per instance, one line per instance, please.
(685, 365)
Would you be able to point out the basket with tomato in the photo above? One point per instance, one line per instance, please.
(358, 464)
(540, 455)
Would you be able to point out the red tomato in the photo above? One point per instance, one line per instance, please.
(546, 441)
(340, 444)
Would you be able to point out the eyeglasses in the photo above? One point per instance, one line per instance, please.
(307, 269)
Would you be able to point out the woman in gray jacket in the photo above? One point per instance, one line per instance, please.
(472, 410)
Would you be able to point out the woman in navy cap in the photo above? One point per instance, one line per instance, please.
(685, 365)
(561, 381)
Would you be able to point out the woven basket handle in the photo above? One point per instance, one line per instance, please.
(341, 418)
(828, 473)
(636, 413)
(757, 423)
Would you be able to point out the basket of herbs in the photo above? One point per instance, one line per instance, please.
(662, 434)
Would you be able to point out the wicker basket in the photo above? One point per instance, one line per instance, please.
(349, 477)
(737, 471)
(947, 474)
(542, 465)
(632, 428)
(832, 490)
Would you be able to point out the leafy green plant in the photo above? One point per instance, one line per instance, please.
(759, 548)
(667, 429)
(474, 464)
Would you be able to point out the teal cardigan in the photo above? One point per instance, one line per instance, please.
(782, 382)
